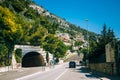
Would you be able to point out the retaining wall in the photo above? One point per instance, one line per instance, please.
(107, 68)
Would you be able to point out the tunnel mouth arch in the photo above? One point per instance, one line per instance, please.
(33, 59)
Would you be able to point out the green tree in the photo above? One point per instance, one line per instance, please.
(110, 35)
(18, 55)
(97, 48)
(85, 52)
(50, 43)
(3, 55)
(54, 46)
(9, 29)
(61, 49)
(107, 35)
(38, 37)
(78, 43)
(50, 26)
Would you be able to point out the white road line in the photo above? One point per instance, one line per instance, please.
(61, 74)
(25, 77)
(30, 75)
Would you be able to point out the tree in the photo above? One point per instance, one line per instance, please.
(18, 55)
(3, 55)
(9, 29)
(97, 48)
(61, 49)
(85, 52)
(53, 45)
(110, 35)
(106, 36)
(78, 43)
(50, 43)
(37, 38)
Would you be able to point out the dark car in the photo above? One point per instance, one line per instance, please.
(72, 64)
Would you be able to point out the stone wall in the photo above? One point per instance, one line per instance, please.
(110, 52)
(107, 68)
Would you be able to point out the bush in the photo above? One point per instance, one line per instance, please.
(3, 55)
(18, 55)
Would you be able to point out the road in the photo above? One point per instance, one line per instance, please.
(61, 72)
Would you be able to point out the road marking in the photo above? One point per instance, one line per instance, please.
(30, 75)
(61, 74)
(27, 76)
(104, 78)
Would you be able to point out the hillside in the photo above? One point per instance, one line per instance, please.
(25, 22)
(30, 10)
(64, 26)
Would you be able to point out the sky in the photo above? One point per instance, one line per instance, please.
(97, 12)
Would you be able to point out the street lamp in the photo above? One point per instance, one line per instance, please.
(86, 20)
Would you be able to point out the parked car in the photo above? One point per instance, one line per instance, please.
(72, 64)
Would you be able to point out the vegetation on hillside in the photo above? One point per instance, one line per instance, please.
(21, 24)
(10, 31)
(97, 48)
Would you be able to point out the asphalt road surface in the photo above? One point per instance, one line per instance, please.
(62, 72)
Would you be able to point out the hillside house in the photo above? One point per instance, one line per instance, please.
(65, 37)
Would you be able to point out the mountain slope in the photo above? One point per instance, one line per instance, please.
(37, 26)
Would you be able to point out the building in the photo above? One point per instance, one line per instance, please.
(64, 37)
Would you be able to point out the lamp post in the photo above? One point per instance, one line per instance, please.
(86, 20)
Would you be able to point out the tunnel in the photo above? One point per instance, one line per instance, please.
(33, 59)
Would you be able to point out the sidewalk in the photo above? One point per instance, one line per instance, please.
(13, 74)
(103, 76)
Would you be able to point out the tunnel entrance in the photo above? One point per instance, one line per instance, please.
(33, 59)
